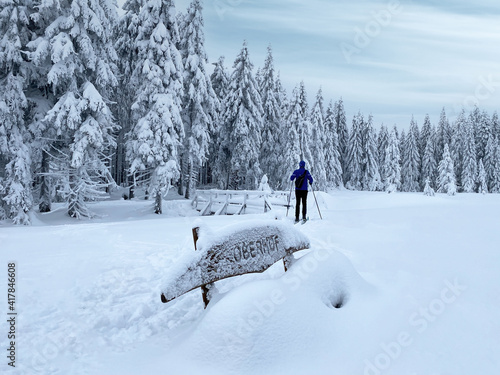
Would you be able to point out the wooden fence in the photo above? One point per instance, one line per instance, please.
(237, 202)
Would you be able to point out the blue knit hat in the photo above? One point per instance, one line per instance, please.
(302, 163)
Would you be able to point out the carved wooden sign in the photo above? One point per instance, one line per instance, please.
(233, 251)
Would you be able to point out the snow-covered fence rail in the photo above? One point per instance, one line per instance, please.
(232, 251)
(237, 202)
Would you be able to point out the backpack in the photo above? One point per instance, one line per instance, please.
(300, 180)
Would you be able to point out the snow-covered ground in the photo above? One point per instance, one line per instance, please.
(393, 284)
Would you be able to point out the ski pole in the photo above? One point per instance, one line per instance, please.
(316, 202)
(289, 197)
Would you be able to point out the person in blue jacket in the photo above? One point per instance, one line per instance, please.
(303, 176)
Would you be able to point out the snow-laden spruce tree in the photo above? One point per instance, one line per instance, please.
(240, 134)
(220, 85)
(495, 125)
(428, 190)
(157, 133)
(382, 143)
(77, 51)
(304, 128)
(271, 146)
(429, 164)
(411, 160)
(371, 179)
(495, 174)
(318, 142)
(332, 155)
(392, 167)
(290, 136)
(15, 190)
(489, 159)
(482, 131)
(458, 144)
(443, 134)
(287, 137)
(355, 154)
(482, 179)
(447, 181)
(469, 164)
(343, 136)
(126, 33)
(199, 104)
(425, 133)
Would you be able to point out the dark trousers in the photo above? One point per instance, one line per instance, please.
(300, 195)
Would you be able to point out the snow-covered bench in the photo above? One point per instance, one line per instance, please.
(250, 247)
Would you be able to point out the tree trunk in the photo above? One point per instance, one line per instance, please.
(158, 208)
(180, 187)
(45, 202)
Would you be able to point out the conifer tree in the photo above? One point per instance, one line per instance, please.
(443, 134)
(411, 160)
(78, 53)
(382, 143)
(199, 102)
(429, 163)
(15, 190)
(392, 167)
(371, 179)
(355, 154)
(290, 136)
(304, 128)
(126, 33)
(425, 134)
(469, 164)
(447, 181)
(482, 133)
(158, 132)
(242, 126)
(273, 117)
(495, 125)
(495, 178)
(318, 142)
(489, 160)
(428, 190)
(220, 85)
(343, 136)
(332, 155)
(482, 179)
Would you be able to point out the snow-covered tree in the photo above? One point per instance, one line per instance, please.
(429, 163)
(318, 141)
(126, 33)
(425, 134)
(15, 193)
(495, 174)
(489, 159)
(469, 164)
(495, 125)
(447, 182)
(200, 102)
(291, 151)
(158, 132)
(392, 167)
(482, 131)
(332, 155)
(371, 179)
(428, 190)
(443, 134)
(240, 138)
(273, 118)
(411, 160)
(78, 54)
(355, 154)
(382, 143)
(343, 136)
(304, 127)
(482, 179)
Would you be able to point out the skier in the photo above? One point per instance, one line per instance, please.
(301, 175)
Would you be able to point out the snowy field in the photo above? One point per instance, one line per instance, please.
(393, 284)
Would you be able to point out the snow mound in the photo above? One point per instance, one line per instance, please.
(293, 316)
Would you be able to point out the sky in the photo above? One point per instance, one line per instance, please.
(393, 59)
